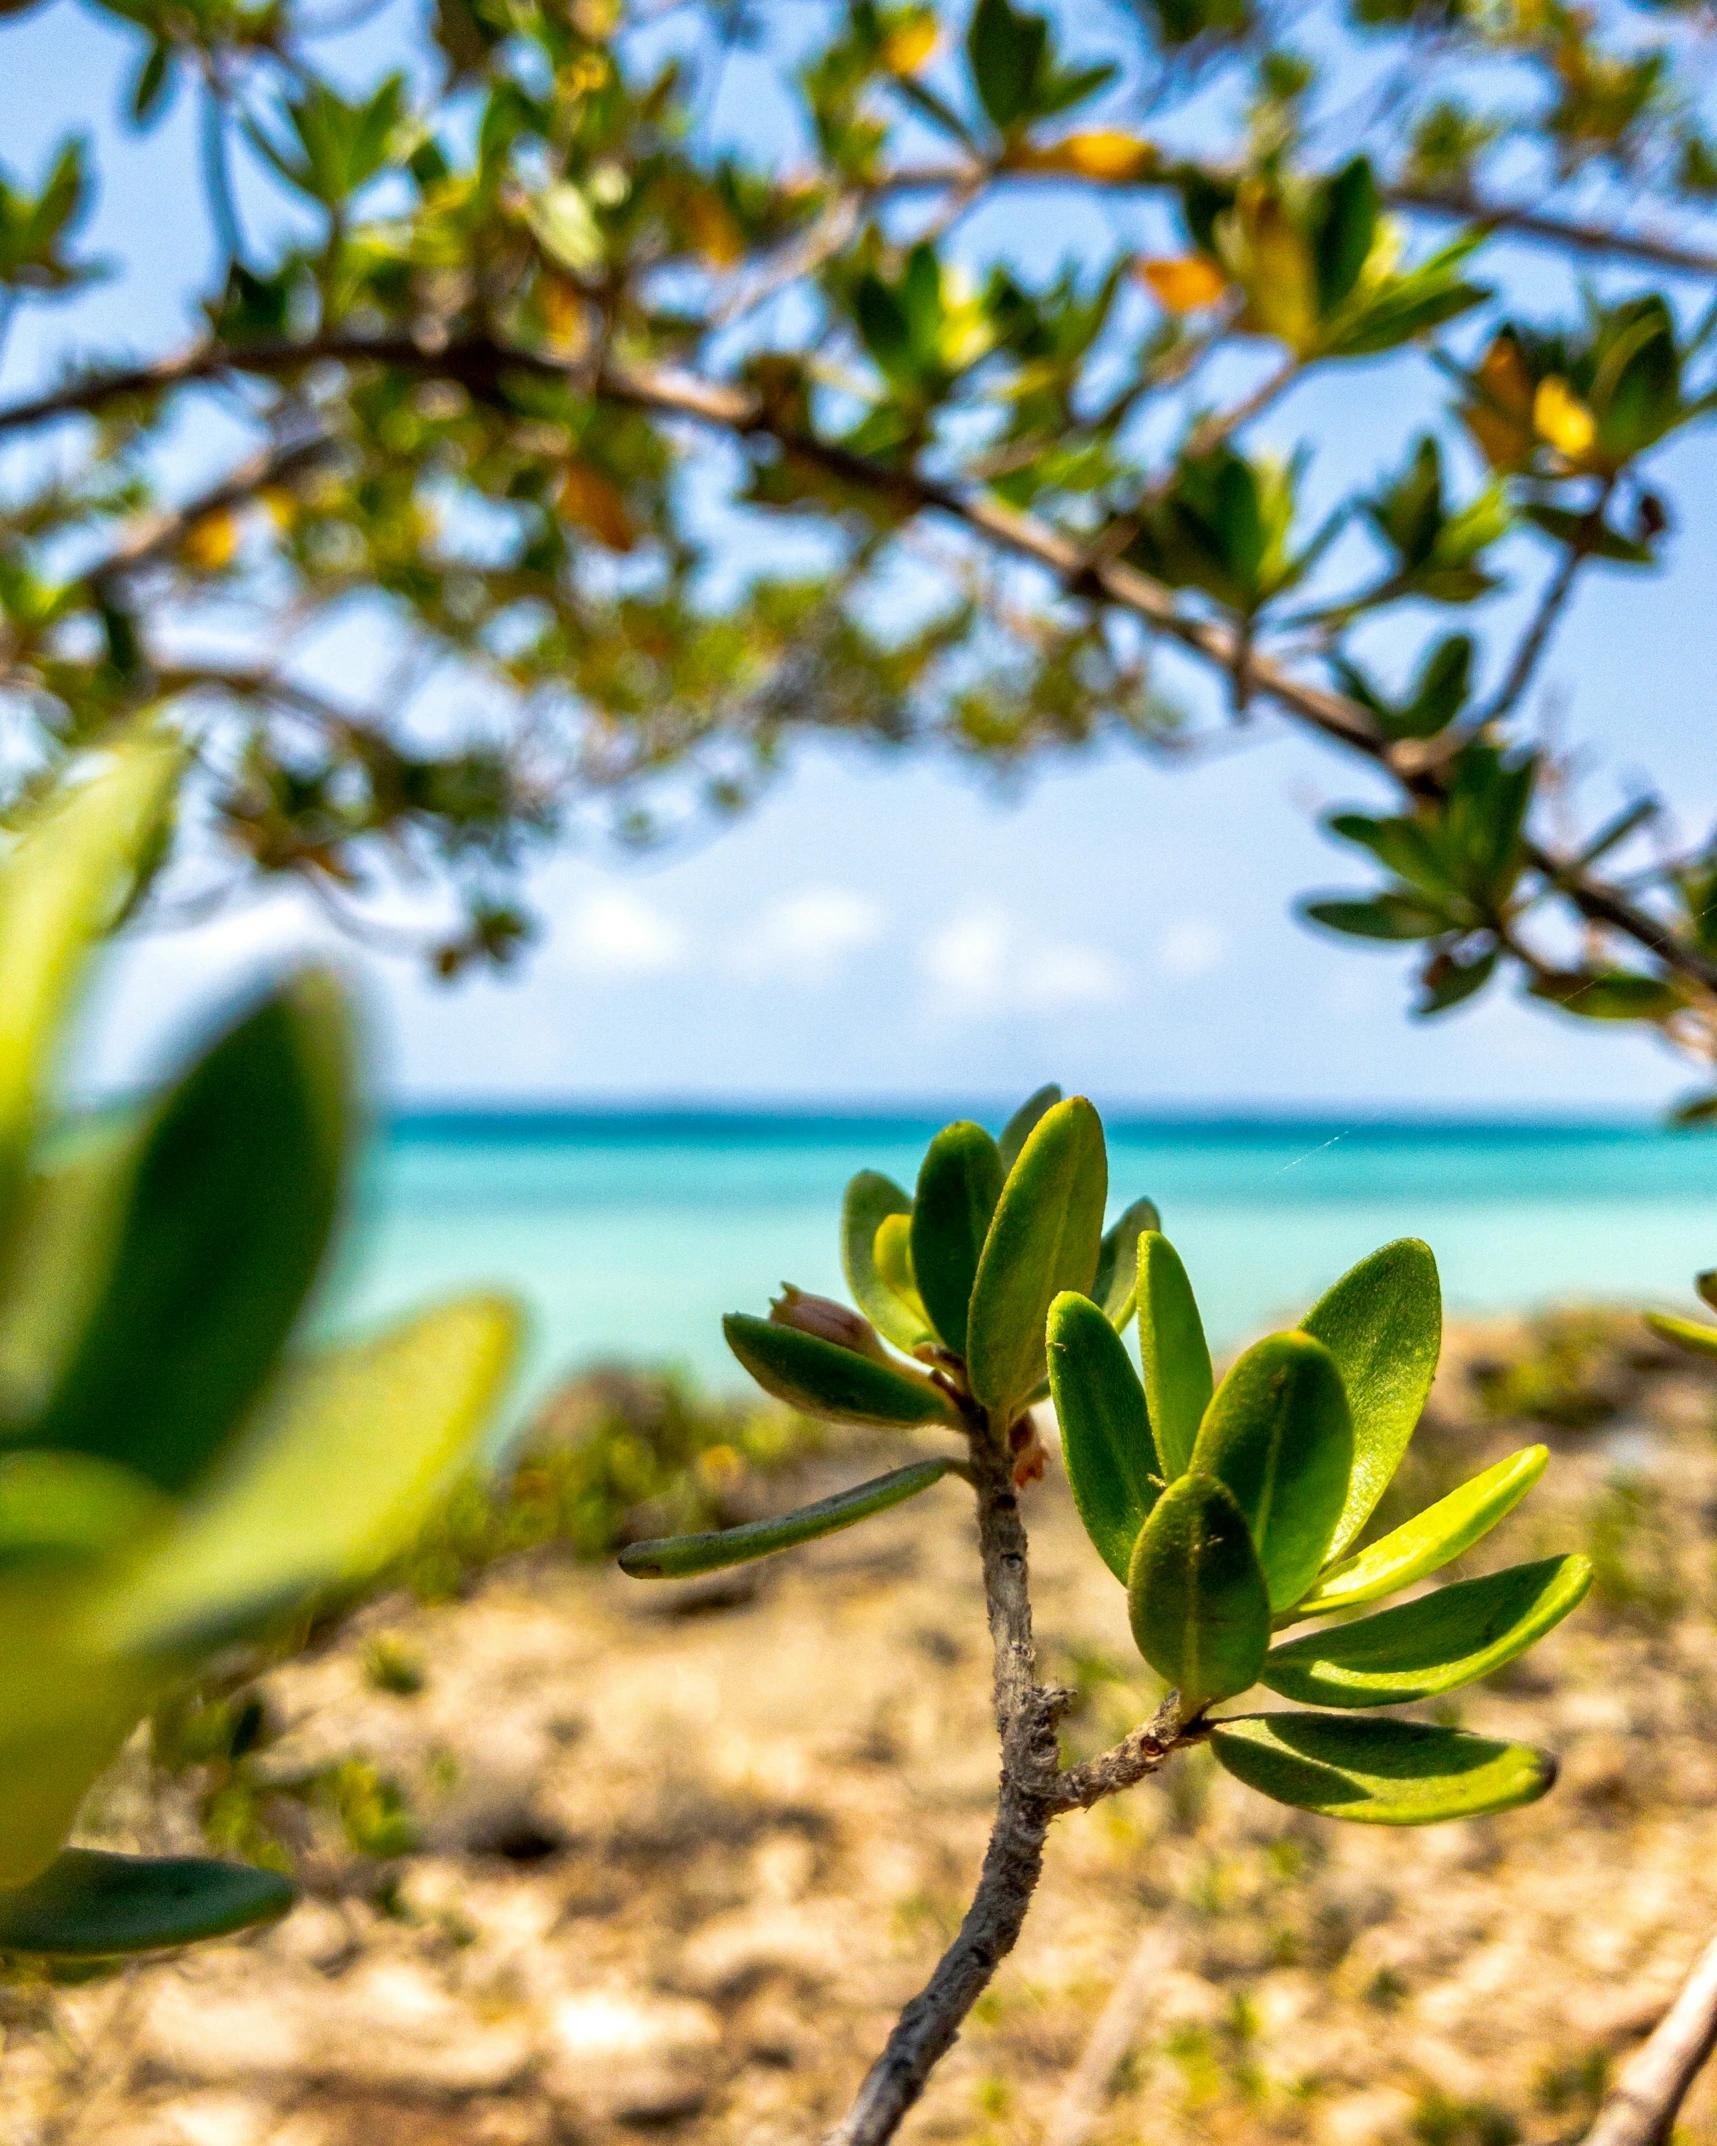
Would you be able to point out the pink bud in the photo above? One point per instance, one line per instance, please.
(828, 1321)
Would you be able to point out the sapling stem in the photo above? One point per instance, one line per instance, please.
(1034, 1790)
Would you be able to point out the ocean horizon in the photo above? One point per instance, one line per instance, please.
(628, 1229)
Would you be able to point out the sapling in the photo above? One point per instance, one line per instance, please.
(1230, 1512)
(176, 1474)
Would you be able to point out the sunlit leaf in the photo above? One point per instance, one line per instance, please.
(63, 885)
(1431, 1539)
(1380, 1773)
(1277, 1433)
(1436, 1643)
(1383, 1324)
(675, 1557)
(871, 1199)
(1694, 1335)
(336, 1475)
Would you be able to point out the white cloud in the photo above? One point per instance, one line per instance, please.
(1191, 946)
(985, 963)
(619, 933)
(807, 937)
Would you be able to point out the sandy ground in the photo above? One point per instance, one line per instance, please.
(683, 1853)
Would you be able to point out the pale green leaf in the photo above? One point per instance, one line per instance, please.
(1383, 1324)
(870, 1200)
(1430, 1540)
(675, 1557)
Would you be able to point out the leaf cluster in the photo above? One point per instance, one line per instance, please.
(177, 1472)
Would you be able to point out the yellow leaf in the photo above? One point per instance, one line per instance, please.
(1110, 158)
(713, 230)
(1185, 285)
(565, 323)
(211, 541)
(906, 48)
(279, 505)
(1500, 416)
(595, 503)
(1275, 266)
(1559, 416)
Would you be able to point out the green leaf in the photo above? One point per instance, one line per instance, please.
(89, 1905)
(151, 84)
(65, 1711)
(1344, 226)
(870, 1200)
(1383, 1324)
(1106, 1444)
(1693, 1335)
(824, 1379)
(1391, 917)
(63, 886)
(1018, 1127)
(222, 1236)
(1380, 1773)
(1115, 1285)
(563, 226)
(337, 1475)
(892, 1255)
(1610, 994)
(1278, 1434)
(1007, 51)
(69, 1507)
(1172, 1347)
(1045, 1238)
(1431, 1539)
(675, 1557)
(1196, 1594)
(1436, 1643)
(958, 1187)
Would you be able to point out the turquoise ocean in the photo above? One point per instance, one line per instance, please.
(629, 1234)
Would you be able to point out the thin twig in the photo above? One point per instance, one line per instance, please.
(1640, 2108)
(1550, 608)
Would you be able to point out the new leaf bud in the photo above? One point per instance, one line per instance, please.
(828, 1321)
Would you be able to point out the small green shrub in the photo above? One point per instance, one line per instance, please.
(1228, 1511)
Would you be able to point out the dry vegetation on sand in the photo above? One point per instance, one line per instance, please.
(639, 1862)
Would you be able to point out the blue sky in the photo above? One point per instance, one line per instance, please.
(878, 928)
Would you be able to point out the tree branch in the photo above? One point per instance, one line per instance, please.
(1640, 2108)
(482, 365)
